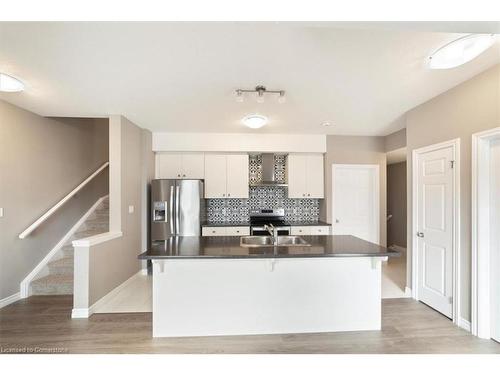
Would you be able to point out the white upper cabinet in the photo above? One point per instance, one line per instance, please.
(226, 176)
(168, 165)
(215, 176)
(315, 176)
(305, 176)
(180, 165)
(296, 176)
(193, 166)
(237, 176)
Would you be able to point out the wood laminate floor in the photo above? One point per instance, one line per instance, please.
(44, 322)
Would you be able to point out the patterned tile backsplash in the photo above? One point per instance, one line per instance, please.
(237, 210)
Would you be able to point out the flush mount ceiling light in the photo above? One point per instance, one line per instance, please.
(10, 84)
(254, 121)
(460, 51)
(260, 91)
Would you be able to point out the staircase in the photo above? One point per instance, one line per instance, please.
(58, 273)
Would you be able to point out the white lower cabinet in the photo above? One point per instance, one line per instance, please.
(225, 231)
(310, 230)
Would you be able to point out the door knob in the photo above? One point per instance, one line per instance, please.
(420, 234)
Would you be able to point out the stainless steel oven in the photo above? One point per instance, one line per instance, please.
(261, 231)
(261, 217)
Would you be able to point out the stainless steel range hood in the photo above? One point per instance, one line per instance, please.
(268, 175)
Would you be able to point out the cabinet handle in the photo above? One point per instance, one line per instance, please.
(303, 195)
(213, 231)
(228, 194)
(183, 175)
(178, 175)
(308, 195)
(223, 195)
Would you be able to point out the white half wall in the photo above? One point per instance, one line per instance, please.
(237, 142)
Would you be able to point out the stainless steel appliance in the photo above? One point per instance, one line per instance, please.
(261, 217)
(177, 207)
(268, 172)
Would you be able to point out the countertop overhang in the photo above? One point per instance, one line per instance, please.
(228, 247)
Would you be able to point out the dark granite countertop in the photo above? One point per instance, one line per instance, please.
(228, 247)
(247, 224)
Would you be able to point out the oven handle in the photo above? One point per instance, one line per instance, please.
(261, 228)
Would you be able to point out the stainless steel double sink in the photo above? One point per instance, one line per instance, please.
(267, 241)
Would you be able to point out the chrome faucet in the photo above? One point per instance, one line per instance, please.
(273, 231)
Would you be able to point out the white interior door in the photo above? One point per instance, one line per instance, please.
(495, 239)
(435, 197)
(355, 203)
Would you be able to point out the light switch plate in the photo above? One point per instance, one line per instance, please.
(130, 209)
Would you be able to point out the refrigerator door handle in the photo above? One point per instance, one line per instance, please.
(171, 209)
(177, 219)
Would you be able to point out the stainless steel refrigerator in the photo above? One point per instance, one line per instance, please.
(177, 208)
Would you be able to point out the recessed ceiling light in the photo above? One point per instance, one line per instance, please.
(10, 84)
(461, 51)
(326, 123)
(254, 121)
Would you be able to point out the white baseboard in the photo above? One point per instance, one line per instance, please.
(80, 313)
(25, 284)
(464, 324)
(10, 299)
(85, 313)
(398, 248)
(408, 292)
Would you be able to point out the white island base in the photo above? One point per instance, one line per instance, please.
(213, 297)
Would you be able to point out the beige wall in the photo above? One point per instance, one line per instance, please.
(355, 150)
(396, 204)
(108, 264)
(396, 140)
(41, 160)
(468, 108)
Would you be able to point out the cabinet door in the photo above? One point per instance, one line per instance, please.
(213, 231)
(315, 176)
(297, 231)
(237, 176)
(319, 230)
(297, 176)
(193, 166)
(237, 231)
(169, 166)
(215, 176)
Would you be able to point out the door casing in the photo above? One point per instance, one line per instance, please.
(481, 250)
(455, 144)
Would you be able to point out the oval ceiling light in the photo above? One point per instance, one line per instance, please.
(254, 121)
(461, 51)
(10, 84)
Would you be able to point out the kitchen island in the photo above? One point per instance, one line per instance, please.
(209, 286)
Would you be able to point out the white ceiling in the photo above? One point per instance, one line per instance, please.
(180, 77)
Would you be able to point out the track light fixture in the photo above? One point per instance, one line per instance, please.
(261, 91)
